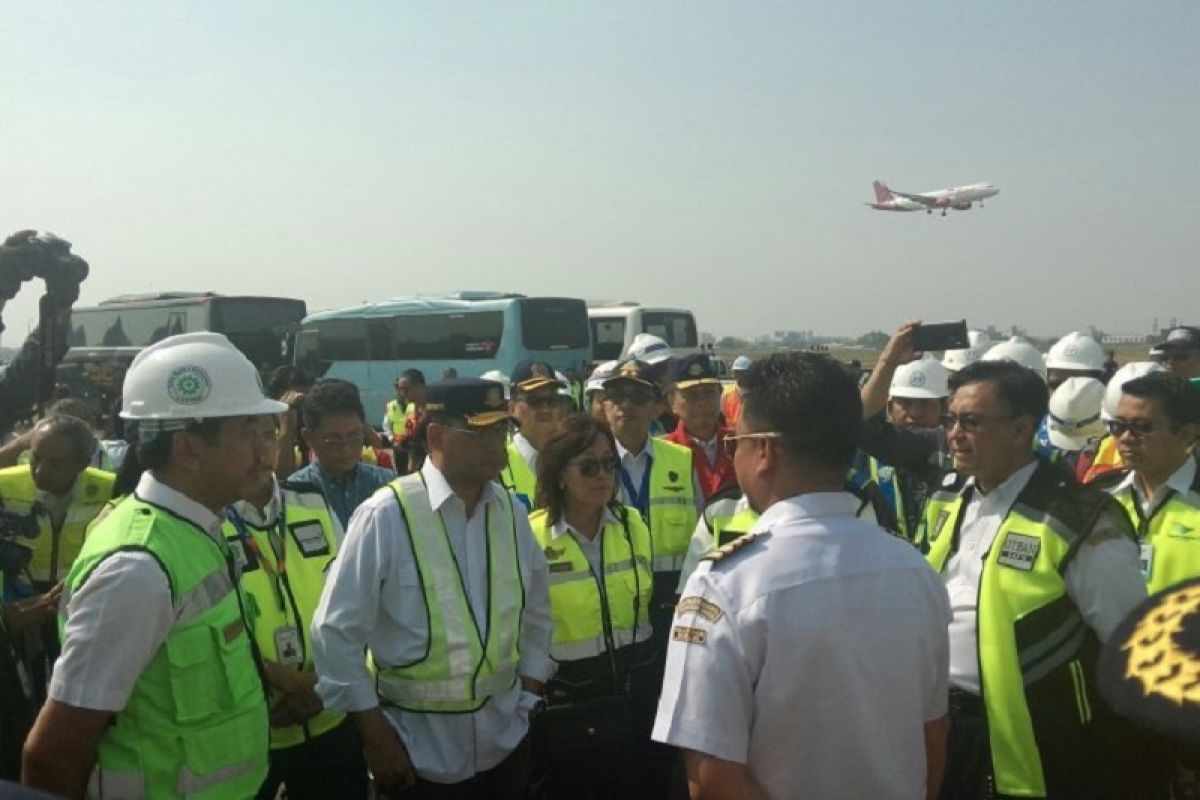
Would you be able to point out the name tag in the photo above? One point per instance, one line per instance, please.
(1146, 560)
(310, 538)
(288, 646)
(1019, 551)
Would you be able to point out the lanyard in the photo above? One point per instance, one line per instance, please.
(638, 499)
(275, 537)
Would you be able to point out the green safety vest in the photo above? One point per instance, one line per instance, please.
(461, 669)
(196, 723)
(518, 478)
(55, 550)
(1169, 538)
(672, 504)
(591, 619)
(1036, 654)
(278, 602)
(398, 417)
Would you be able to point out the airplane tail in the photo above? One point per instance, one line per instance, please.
(882, 193)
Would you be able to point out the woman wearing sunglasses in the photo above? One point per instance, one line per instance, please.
(600, 583)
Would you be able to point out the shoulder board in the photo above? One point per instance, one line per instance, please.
(726, 550)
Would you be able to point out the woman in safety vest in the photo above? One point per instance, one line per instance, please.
(599, 555)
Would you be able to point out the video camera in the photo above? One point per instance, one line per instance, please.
(27, 254)
(14, 555)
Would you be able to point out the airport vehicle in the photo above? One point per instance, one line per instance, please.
(615, 324)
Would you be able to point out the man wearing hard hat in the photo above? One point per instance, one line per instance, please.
(1075, 355)
(158, 691)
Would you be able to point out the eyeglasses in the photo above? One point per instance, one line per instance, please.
(540, 401)
(355, 441)
(970, 423)
(492, 433)
(591, 467)
(1136, 428)
(639, 397)
(730, 442)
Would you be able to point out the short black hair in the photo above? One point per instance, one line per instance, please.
(285, 378)
(1180, 398)
(77, 407)
(1020, 388)
(809, 398)
(414, 376)
(331, 397)
(74, 429)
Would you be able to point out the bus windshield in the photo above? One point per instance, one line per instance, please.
(608, 337)
(554, 323)
(677, 329)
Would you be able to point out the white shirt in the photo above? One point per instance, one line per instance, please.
(1180, 482)
(122, 614)
(526, 450)
(593, 548)
(1103, 579)
(268, 516)
(636, 464)
(815, 656)
(374, 598)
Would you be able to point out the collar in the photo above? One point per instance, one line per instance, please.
(561, 528)
(440, 491)
(812, 505)
(623, 454)
(1181, 480)
(1006, 493)
(157, 493)
(248, 512)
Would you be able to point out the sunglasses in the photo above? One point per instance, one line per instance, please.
(591, 467)
(730, 442)
(1137, 428)
(639, 397)
(970, 423)
(540, 401)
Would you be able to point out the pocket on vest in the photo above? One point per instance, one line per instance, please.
(210, 671)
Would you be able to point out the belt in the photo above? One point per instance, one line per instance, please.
(966, 704)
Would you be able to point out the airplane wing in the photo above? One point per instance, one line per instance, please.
(917, 198)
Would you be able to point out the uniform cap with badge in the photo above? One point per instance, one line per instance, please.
(632, 372)
(695, 369)
(529, 376)
(477, 402)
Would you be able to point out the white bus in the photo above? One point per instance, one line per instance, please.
(614, 326)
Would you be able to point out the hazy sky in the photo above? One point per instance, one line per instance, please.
(710, 155)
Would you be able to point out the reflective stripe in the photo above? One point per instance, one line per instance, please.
(208, 593)
(107, 784)
(557, 578)
(670, 501)
(1041, 517)
(189, 783)
(669, 563)
(450, 690)
(587, 648)
(618, 566)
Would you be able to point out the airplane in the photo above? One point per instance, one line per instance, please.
(960, 198)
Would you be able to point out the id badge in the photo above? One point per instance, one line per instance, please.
(1146, 560)
(288, 647)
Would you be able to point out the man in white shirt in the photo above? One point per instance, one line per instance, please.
(1039, 571)
(538, 407)
(441, 580)
(808, 657)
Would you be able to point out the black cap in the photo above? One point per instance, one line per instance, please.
(694, 369)
(1185, 337)
(479, 402)
(1148, 666)
(632, 371)
(531, 375)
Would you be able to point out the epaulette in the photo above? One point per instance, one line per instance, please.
(726, 550)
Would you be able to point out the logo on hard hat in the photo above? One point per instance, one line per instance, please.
(917, 379)
(189, 385)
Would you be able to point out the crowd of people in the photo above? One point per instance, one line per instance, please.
(646, 583)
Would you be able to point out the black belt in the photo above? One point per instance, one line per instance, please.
(966, 704)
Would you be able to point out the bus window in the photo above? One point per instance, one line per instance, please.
(448, 337)
(608, 338)
(554, 324)
(257, 326)
(677, 330)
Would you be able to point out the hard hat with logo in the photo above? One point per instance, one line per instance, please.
(189, 377)
(924, 379)
(741, 364)
(649, 348)
(1076, 351)
(1074, 418)
(1112, 393)
(1018, 351)
(954, 360)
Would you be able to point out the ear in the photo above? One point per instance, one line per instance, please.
(435, 434)
(185, 450)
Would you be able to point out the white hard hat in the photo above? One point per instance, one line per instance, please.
(1018, 351)
(1074, 418)
(500, 378)
(189, 377)
(1112, 393)
(741, 364)
(924, 378)
(600, 374)
(954, 360)
(564, 386)
(649, 348)
(1076, 351)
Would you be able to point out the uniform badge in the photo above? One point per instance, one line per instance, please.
(698, 605)
(553, 555)
(696, 369)
(673, 476)
(310, 538)
(682, 633)
(1019, 551)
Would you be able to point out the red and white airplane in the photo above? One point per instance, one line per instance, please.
(960, 198)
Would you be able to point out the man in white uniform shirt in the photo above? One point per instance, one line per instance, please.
(1040, 570)
(808, 657)
(440, 578)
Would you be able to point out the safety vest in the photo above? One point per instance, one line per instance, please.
(460, 670)
(1169, 539)
(518, 478)
(398, 417)
(281, 602)
(671, 504)
(1036, 654)
(589, 620)
(196, 723)
(55, 550)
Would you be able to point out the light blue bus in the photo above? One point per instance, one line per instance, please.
(469, 332)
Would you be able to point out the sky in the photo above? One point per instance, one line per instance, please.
(711, 155)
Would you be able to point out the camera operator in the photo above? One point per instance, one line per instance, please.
(29, 379)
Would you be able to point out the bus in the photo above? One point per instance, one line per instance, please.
(261, 327)
(614, 326)
(469, 332)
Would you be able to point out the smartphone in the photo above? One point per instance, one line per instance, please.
(941, 336)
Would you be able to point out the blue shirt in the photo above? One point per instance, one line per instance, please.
(347, 494)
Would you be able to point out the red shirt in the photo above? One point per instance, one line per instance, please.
(712, 477)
